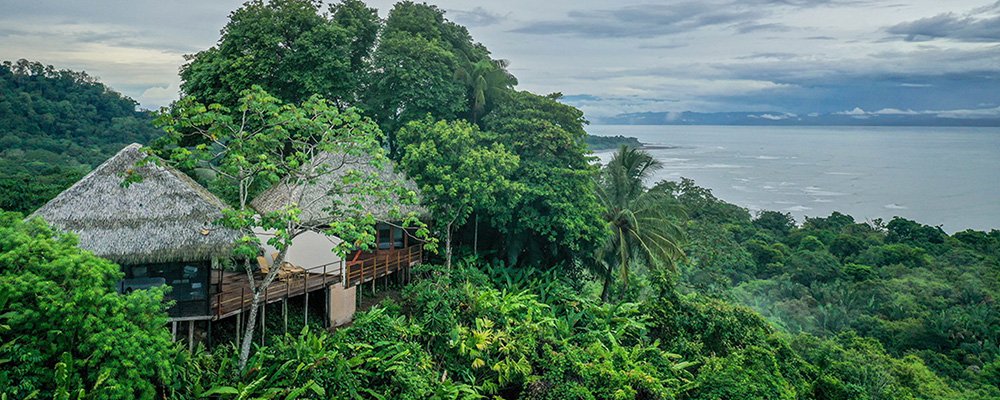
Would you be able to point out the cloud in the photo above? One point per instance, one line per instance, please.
(645, 21)
(755, 27)
(975, 113)
(980, 25)
(475, 17)
(160, 95)
(665, 46)
(773, 55)
(857, 111)
(971, 113)
(773, 117)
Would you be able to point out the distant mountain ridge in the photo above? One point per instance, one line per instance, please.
(856, 117)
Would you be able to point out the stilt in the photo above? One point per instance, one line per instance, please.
(210, 341)
(239, 330)
(190, 336)
(305, 310)
(284, 307)
(326, 307)
(173, 331)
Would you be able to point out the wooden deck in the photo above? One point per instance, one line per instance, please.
(381, 263)
(231, 291)
(233, 294)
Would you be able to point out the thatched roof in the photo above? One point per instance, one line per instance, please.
(167, 217)
(316, 197)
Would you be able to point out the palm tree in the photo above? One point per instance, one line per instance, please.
(484, 80)
(641, 220)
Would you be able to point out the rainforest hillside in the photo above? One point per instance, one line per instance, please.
(55, 125)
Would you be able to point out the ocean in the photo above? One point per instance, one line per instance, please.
(948, 177)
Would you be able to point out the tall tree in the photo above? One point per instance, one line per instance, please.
(641, 220)
(263, 140)
(458, 167)
(413, 79)
(556, 216)
(285, 46)
(413, 71)
(362, 25)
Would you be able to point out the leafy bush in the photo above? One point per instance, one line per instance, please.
(66, 327)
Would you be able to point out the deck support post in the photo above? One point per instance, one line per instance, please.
(263, 317)
(305, 289)
(239, 324)
(210, 342)
(191, 336)
(326, 307)
(173, 331)
(284, 308)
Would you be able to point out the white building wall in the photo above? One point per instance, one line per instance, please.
(312, 250)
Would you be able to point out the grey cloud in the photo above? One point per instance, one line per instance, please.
(752, 27)
(644, 21)
(476, 17)
(775, 56)
(970, 27)
(665, 46)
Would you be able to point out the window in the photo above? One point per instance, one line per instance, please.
(397, 238)
(384, 239)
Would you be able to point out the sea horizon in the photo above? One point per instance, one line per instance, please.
(939, 176)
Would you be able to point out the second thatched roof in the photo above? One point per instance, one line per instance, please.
(316, 197)
(167, 217)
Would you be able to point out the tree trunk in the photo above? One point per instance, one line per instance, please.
(447, 247)
(255, 304)
(606, 292)
(248, 335)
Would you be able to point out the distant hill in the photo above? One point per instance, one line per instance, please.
(598, 143)
(55, 125)
(856, 117)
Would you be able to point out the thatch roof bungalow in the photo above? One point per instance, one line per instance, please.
(395, 252)
(166, 217)
(161, 229)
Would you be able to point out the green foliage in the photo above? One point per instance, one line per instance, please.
(904, 287)
(287, 48)
(751, 373)
(458, 169)
(556, 216)
(55, 125)
(66, 330)
(505, 341)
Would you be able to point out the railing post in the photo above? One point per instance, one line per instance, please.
(263, 317)
(218, 296)
(305, 289)
(284, 308)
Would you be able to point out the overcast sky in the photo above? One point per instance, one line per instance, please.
(608, 57)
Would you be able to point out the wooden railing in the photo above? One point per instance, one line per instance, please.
(380, 263)
(233, 293)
